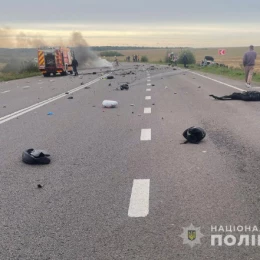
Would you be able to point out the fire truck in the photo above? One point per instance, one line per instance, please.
(55, 60)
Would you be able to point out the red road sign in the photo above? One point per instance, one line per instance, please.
(221, 52)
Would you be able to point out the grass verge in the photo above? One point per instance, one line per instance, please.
(233, 73)
(12, 76)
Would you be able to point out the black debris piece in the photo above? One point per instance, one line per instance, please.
(124, 86)
(70, 97)
(194, 134)
(39, 186)
(110, 77)
(32, 156)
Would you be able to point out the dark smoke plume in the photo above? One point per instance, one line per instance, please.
(82, 50)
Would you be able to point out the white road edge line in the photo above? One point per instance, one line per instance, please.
(147, 110)
(148, 98)
(220, 82)
(139, 201)
(42, 103)
(146, 134)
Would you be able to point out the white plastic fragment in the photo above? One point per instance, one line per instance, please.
(109, 103)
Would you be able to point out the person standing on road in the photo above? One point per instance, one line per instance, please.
(185, 60)
(74, 66)
(249, 63)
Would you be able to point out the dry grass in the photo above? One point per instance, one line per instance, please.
(232, 58)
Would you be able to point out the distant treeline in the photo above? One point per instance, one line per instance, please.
(110, 54)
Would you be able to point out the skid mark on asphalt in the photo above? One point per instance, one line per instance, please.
(147, 110)
(146, 134)
(139, 201)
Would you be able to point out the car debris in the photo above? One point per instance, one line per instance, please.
(194, 135)
(124, 86)
(34, 156)
(66, 93)
(39, 186)
(94, 73)
(110, 77)
(109, 104)
(50, 114)
(87, 88)
(70, 97)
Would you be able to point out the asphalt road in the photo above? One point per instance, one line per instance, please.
(120, 184)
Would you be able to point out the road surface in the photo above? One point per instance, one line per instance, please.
(121, 185)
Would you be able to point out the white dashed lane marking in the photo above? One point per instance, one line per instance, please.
(148, 98)
(147, 110)
(146, 135)
(149, 84)
(148, 89)
(7, 91)
(139, 201)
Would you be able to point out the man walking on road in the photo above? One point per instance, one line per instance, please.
(249, 63)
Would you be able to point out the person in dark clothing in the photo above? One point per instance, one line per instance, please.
(245, 95)
(74, 66)
(185, 60)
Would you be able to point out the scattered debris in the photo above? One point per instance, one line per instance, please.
(4, 106)
(67, 93)
(87, 88)
(194, 134)
(153, 104)
(153, 85)
(124, 86)
(70, 97)
(162, 118)
(94, 73)
(93, 106)
(199, 86)
(82, 83)
(109, 84)
(175, 93)
(110, 77)
(110, 104)
(32, 156)
(132, 105)
(50, 114)
(133, 112)
(39, 186)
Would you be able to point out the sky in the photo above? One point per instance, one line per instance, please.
(165, 23)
